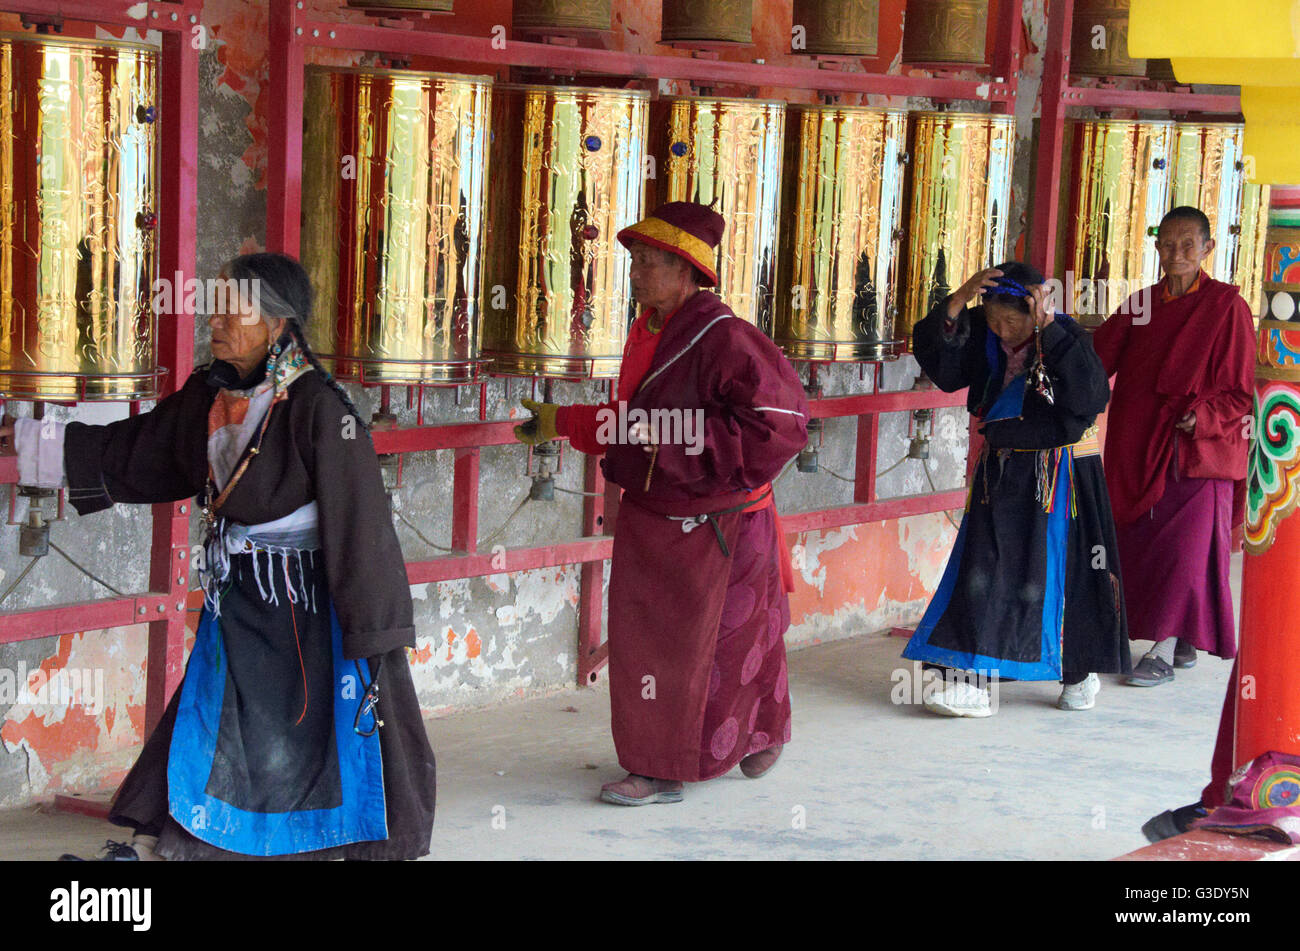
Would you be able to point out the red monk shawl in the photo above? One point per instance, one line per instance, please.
(1194, 354)
(697, 609)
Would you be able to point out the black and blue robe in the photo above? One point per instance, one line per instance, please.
(1032, 588)
(266, 750)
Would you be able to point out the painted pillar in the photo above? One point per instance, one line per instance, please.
(1268, 714)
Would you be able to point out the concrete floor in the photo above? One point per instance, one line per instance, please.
(868, 778)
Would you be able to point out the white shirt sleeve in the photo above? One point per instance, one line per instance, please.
(40, 452)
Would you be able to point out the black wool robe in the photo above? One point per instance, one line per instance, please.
(989, 613)
(311, 451)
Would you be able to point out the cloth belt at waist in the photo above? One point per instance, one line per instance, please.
(755, 501)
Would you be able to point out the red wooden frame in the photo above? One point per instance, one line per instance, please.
(178, 87)
(1057, 94)
(290, 32)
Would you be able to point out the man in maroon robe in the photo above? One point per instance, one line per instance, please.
(699, 577)
(1176, 440)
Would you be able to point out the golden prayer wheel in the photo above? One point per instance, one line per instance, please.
(945, 31)
(838, 27)
(561, 15)
(1210, 174)
(1248, 275)
(429, 6)
(1099, 40)
(842, 216)
(78, 210)
(1115, 186)
(393, 204)
(959, 190)
(567, 176)
(727, 153)
(708, 21)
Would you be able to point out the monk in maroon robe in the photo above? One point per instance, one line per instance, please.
(1176, 440)
(699, 577)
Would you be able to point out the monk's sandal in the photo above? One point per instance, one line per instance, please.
(756, 764)
(1151, 671)
(634, 790)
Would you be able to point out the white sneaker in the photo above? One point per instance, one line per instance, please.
(960, 699)
(1080, 696)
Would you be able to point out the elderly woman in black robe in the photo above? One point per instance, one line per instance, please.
(1032, 589)
(295, 732)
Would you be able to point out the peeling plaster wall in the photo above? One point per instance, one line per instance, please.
(484, 640)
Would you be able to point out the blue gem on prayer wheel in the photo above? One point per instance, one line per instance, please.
(593, 143)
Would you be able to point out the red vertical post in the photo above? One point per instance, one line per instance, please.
(284, 130)
(464, 501)
(178, 215)
(591, 593)
(1005, 57)
(1051, 132)
(864, 485)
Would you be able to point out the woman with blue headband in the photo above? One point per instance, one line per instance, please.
(1032, 589)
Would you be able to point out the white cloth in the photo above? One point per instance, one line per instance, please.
(39, 443)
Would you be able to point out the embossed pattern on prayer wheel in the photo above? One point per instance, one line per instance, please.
(727, 153)
(561, 15)
(1115, 185)
(1099, 40)
(567, 176)
(945, 31)
(838, 27)
(959, 189)
(1249, 272)
(841, 217)
(708, 21)
(393, 205)
(78, 211)
(1210, 174)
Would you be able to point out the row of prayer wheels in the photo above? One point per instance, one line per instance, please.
(480, 223)
(1118, 179)
(935, 31)
(453, 225)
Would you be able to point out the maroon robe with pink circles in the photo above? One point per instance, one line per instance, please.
(697, 606)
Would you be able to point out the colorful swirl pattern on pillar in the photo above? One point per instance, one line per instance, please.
(1273, 481)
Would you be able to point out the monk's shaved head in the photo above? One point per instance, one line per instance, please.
(1188, 213)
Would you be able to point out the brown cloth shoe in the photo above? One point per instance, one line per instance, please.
(756, 764)
(634, 790)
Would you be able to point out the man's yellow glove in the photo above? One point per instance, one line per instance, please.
(541, 428)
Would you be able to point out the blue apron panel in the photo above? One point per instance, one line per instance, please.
(1048, 666)
(359, 818)
(1010, 403)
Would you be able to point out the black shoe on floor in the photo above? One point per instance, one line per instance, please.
(1150, 671)
(111, 852)
(1173, 822)
(1184, 655)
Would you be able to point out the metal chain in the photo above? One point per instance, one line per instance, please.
(946, 513)
(483, 541)
(69, 559)
(17, 581)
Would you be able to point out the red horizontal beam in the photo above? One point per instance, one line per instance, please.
(82, 616)
(901, 507)
(152, 16)
(501, 432)
(892, 402)
(1106, 98)
(451, 567)
(483, 54)
(454, 436)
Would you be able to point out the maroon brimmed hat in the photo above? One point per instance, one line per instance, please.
(684, 228)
